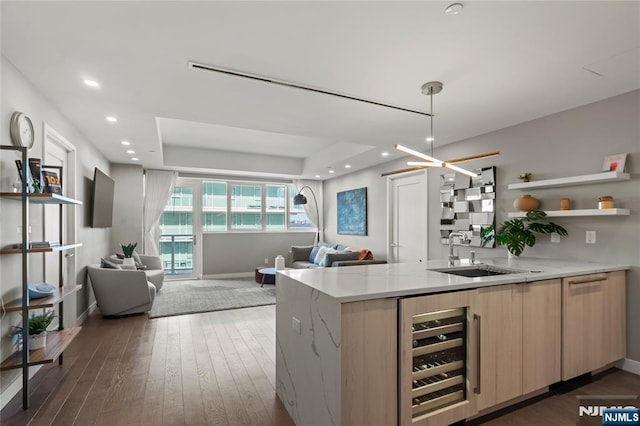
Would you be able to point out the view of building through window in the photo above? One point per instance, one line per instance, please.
(225, 207)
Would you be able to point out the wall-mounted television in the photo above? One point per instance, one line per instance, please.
(102, 201)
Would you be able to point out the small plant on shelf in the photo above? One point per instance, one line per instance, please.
(38, 325)
(526, 177)
(518, 233)
(128, 249)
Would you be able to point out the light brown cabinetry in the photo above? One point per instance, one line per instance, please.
(519, 340)
(497, 313)
(593, 322)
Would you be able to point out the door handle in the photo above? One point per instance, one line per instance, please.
(395, 245)
(476, 321)
(69, 254)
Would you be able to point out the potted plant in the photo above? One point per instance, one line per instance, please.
(37, 330)
(518, 233)
(128, 250)
(526, 177)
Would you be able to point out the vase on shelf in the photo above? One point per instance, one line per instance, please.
(526, 203)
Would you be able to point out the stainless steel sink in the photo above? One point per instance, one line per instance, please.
(473, 271)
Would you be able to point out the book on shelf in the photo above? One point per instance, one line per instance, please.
(36, 173)
(29, 177)
(35, 244)
(52, 183)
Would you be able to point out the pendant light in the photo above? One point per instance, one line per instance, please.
(431, 88)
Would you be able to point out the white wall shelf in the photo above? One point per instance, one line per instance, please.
(573, 180)
(573, 213)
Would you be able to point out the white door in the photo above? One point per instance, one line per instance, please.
(59, 152)
(180, 231)
(408, 218)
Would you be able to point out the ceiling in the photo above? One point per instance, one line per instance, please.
(501, 63)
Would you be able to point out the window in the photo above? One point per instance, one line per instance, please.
(214, 206)
(276, 203)
(246, 206)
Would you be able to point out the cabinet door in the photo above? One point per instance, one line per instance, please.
(614, 321)
(541, 330)
(582, 324)
(433, 368)
(498, 323)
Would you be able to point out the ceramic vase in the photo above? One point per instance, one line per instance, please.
(526, 203)
(37, 341)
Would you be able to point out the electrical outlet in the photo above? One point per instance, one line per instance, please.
(590, 237)
(296, 325)
(555, 238)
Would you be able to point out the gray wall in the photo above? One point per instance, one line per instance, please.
(241, 252)
(19, 94)
(127, 206)
(568, 143)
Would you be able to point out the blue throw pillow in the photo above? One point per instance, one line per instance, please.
(320, 255)
(314, 252)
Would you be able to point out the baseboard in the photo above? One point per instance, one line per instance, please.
(232, 275)
(16, 386)
(629, 365)
(91, 309)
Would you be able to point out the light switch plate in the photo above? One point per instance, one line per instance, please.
(590, 237)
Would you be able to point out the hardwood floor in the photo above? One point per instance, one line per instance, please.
(215, 368)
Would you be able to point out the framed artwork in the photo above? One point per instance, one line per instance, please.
(614, 163)
(352, 212)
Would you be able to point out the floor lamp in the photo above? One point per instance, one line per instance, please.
(300, 199)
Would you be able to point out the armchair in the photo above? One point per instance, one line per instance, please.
(121, 291)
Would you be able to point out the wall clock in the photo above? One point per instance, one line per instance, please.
(21, 129)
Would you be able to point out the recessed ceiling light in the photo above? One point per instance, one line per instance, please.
(429, 138)
(347, 166)
(111, 119)
(317, 176)
(91, 83)
(331, 171)
(135, 159)
(126, 143)
(454, 9)
(130, 151)
(385, 154)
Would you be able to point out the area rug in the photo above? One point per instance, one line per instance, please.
(193, 296)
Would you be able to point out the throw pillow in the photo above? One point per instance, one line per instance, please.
(137, 261)
(342, 256)
(324, 260)
(320, 255)
(120, 255)
(300, 252)
(314, 252)
(107, 264)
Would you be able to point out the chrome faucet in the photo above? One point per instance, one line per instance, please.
(452, 257)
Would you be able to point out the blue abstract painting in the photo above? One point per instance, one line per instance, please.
(352, 212)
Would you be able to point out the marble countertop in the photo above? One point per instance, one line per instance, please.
(355, 283)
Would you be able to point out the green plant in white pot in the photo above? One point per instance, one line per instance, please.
(37, 330)
(127, 250)
(518, 233)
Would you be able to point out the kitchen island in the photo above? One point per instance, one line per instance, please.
(344, 337)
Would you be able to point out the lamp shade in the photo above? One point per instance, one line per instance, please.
(299, 199)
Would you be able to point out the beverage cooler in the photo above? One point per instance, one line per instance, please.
(433, 376)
